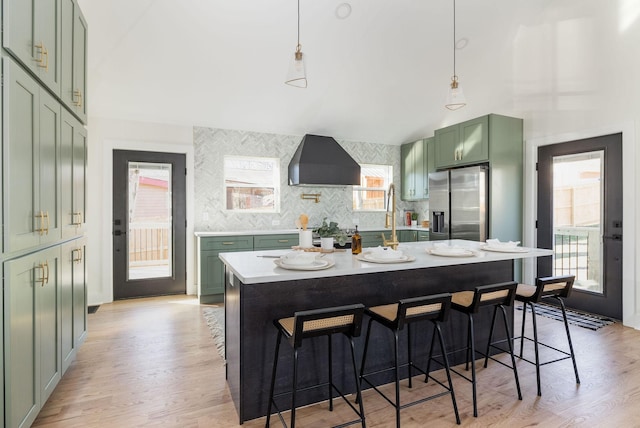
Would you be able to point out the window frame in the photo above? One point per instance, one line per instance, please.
(276, 184)
(388, 179)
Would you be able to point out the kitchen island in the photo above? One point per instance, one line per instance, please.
(257, 292)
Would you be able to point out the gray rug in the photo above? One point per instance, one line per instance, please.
(214, 316)
(581, 319)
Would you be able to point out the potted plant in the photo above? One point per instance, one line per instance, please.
(414, 219)
(327, 233)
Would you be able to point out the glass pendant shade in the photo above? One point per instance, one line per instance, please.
(455, 96)
(297, 75)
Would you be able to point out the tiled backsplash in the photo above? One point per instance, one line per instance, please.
(210, 147)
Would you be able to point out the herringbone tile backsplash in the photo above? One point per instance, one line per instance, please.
(211, 145)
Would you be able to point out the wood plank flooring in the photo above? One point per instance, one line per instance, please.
(152, 363)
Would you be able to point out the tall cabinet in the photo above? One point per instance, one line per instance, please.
(43, 203)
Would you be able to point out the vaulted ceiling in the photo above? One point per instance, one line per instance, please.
(379, 75)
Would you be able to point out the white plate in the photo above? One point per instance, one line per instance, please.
(368, 257)
(316, 265)
(505, 249)
(451, 252)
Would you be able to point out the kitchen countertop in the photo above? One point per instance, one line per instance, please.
(252, 267)
(200, 234)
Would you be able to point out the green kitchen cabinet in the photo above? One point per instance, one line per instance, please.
(32, 34)
(413, 164)
(73, 300)
(423, 235)
(73, 90)
(275, 242)
(374, 238)
(408, 235)
(31, 154)
(73, 171)
(211, 269)
(32, 357)
(462, 144)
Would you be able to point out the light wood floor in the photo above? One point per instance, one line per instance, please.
(152, 363)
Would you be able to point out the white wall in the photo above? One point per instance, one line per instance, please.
(105, 136)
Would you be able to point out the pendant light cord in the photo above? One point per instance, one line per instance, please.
(298, 46)
(454, 36)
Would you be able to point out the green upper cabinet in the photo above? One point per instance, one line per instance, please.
(73, 172)
(74, 59)
(416, 160)
(32, 34)
(462, 144)
(31, 151)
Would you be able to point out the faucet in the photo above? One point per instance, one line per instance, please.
(393, 242)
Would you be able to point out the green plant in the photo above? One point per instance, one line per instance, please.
(331, 230)
(414, 216)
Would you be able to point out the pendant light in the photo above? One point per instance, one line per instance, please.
(455, 96)
(297, 75)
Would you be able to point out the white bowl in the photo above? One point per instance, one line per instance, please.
(386, 253)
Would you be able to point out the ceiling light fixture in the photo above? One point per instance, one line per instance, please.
(455, 96)
(297, 75)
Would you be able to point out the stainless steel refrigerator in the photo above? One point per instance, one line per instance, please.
(458, 204)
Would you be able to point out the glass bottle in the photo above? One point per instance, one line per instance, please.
(356, 242)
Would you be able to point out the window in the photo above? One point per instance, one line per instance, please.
(371, 195)
(252, 184)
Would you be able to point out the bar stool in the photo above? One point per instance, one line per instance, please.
(313, 323)
(469, 303)
(395, 316)
(552, 287)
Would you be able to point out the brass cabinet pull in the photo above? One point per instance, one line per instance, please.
(283, 241)
(228, 243)
(43, 59)
(41, 280)
(46, 278)
(77, 259)
(48, 220)
(77, 218)
(40, 217)
(77, 98)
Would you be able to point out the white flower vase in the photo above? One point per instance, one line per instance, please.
(326, 244)
(414, 223)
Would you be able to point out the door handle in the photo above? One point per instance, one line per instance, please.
(119, 232)
(614, 237)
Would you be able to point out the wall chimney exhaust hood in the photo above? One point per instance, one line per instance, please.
(320, 161)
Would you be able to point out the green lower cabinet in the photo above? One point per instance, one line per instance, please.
(73, 300)
(32, 355)
(407, 236)
(374, 238)
(275, 242)
(423, 235)
(211, 268)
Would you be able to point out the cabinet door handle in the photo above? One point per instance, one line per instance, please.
(40, 217)
(77, 259)
(46, 216)
(77, 98)
(77, 218)
(46, 265)
(283, 241)
(228, 243)
(43, 59)
(41, 280)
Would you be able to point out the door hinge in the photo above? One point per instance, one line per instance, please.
(185, 171)
(536, 166)
(536, 224)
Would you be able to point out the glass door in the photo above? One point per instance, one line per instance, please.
(580, 218)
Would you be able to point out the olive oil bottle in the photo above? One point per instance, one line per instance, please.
(356, 242)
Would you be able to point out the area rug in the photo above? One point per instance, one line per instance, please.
(581, 319)
(214, 316)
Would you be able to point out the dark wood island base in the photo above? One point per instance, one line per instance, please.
(250, 335)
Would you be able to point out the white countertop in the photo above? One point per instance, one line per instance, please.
(251, 267)
(201, 234)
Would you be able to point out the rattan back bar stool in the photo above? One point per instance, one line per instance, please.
(552, 287)
(395, 317)
(499, 296)
(314, 323)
